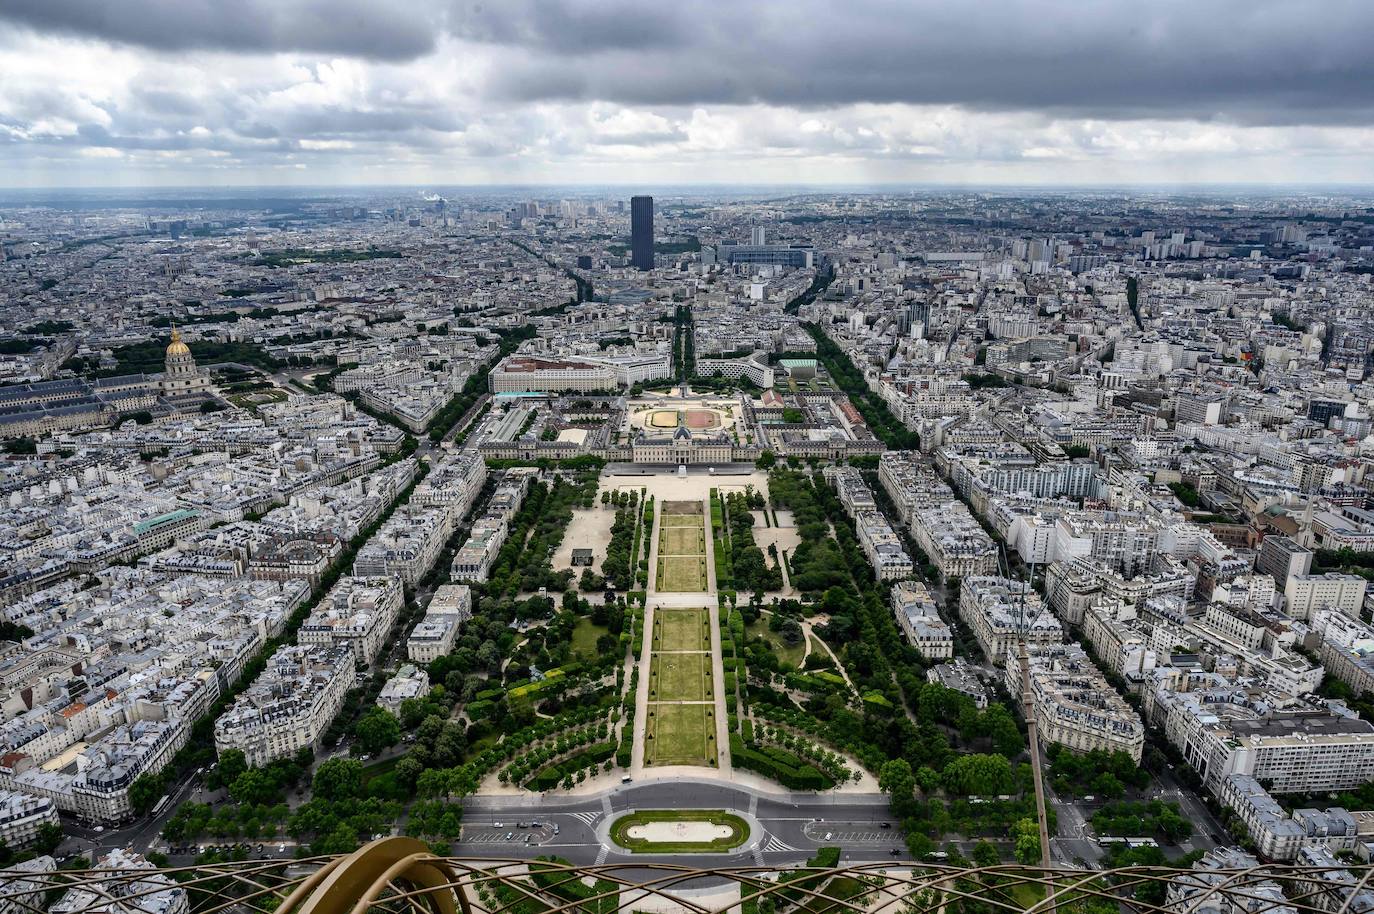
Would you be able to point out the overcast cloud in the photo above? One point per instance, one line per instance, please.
(353, 91)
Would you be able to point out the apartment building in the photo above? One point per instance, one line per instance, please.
(472, 563)
(408, 544)
(407, 683)
(1075, 706)
(955, 542)
(528, 374)
(359, 612)
(959, 675)
(1277, 835)
(1002, 611)
(453, 483)
(1072, 586)
(1345, 647)
(1116, 635)
(919, 619)
(290, 705)
(21, 815)
(882, 546)
(752, 367)
(1125, 543)
(1305, 593)
(1281, 557)
(435, 634)
(156, 893)
(1292, 751)
(1212, 888)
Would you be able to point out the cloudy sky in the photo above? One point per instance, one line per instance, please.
(211, 92)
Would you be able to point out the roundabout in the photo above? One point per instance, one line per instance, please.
(679, 831)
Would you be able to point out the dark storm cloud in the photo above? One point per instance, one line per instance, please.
(357, 28)
(575, 28)
(1254, 62)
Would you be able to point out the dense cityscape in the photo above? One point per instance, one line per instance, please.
(626, 457)
(830, 525)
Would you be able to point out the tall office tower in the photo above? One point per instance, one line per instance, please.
(642, 233)
(758, 236)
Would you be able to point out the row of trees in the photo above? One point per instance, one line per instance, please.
(621, 563)
(750, 569)
(885, 426)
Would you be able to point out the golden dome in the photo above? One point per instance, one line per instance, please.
(177, 347)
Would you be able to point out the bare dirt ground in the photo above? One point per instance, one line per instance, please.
(589, 529)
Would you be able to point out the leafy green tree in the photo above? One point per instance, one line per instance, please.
(231, 764)
(338, 779)
(376, 730)
(927, 778)
(144, 792)
(897, 779)
(342, 840)
(48, 838)
(1026, 841)
(979, 775)
(1006, 737)
(254, 786)
(985, 854)
(407, 771)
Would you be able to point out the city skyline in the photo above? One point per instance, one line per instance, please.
(574, 93)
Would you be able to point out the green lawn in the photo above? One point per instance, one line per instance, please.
(840, 889)
(682, 541)
(679, 735)
(584, 636)
(681, 630)
(682, 574)
(787, 653)
(680, 677)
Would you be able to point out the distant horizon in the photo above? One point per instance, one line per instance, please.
(631, 188)
(347, 93)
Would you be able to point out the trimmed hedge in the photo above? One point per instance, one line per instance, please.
(553, 775)
(778, 764)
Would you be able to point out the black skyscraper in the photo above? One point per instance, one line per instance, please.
(642, 232)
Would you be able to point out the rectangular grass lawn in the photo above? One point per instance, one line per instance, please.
(681, 630)
(682, 573)
(676, 735)
(680, 677)
(683, 540)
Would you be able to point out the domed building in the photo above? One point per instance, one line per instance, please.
(181, 379)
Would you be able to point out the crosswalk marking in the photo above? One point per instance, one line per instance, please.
(602, 854)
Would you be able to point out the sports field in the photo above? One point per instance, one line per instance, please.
(681, 630)
(680, 677)
(680, 735)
